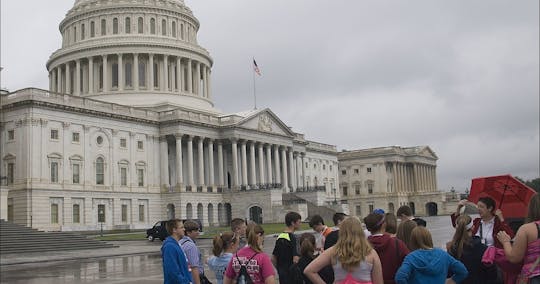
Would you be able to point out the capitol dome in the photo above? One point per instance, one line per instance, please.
(141, 53)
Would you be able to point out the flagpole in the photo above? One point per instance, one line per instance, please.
(254, 87)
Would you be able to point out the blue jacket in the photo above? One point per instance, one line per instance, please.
(430, 266)
(175, 267)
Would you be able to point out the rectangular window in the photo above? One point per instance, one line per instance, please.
(75, 137)
(142, 74)
(356, 171)
(10, 173)
(140, 145)
(370, 208)
(54, 213)
(156, 76)
(76, 213)
(124, 212)
(127, 26)
(368, 170)
(127, 73)
(141, 213)
(357, 189)
(123, 176)
(11, 135)
(76, 173)
(345, 191)
(123, 142)
(92, 29)
(83, 34)
(54, 171)
(101, 213)
(103, 27)
(115, 75)
(358, 210)
(343, 172)
(54, 134)
(370, 188)
(140, 177)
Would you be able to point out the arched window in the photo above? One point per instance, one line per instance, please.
(163, 27)
(173, 29)
(140, 25)
(115, 26)
(92, 29)
(153, 26)
(100, 171)
(181, 31)
(103, 27)
(189, 211)
(128, 25)
(74, 34)
(82, 32)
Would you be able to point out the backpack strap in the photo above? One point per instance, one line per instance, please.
(186, 240)
(243, 264)
(397, 247)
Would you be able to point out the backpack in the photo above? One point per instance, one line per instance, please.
(295, 274)
(243, 275)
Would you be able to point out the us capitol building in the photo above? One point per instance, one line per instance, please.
(127, 134)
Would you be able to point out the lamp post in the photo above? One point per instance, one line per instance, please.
(335, 198)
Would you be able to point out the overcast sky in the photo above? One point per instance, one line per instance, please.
(459, 76)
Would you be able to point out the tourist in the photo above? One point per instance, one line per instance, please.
(238, 226)
(175, 267)
(404, 231)
(321, 232)
(489, 223)
(526, 246)
(332, 238)
(192, 252)
(286, 249)
(405, 213)
(391, 224)
(391, 250)
(307, 254)
(469, 249)
(251, 256)
(352, 258)
(224, 246)
(426, 264)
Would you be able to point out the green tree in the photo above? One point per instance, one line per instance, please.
(534, 183)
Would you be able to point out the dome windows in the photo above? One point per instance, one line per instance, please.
(173, 29)
(115, 26)
(127, 27)
(92, 29)
(140, 25)
(163, 27)
(103, 27)
(153, 26)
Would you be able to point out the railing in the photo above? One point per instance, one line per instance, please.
(311, 188)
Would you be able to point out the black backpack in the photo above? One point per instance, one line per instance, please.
(243, 275)
(295, 274)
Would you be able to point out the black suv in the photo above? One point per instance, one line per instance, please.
(159, 230)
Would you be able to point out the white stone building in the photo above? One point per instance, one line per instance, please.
(127, 133)
(389, 177)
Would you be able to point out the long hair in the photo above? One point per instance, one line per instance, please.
(534, 208)
(223, 241)
(352, 246)
(307, 245)
(404, 232)
(391, 223)
(253, 232)
(461, 236)
(421, 238)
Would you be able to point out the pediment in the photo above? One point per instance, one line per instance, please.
(265, 121)
(427, 152)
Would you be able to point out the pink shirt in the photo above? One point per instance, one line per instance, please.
(259, 267)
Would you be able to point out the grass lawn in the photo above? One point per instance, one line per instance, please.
(209, 232)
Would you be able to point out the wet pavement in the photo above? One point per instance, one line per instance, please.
(130, 262)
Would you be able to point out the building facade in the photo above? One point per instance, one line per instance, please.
(127, 133)
(389, 177)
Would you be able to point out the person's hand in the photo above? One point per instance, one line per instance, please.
(463, 202)
(503, 237)
(450, 281)
(499, 214)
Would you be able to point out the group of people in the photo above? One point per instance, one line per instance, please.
(382, 252)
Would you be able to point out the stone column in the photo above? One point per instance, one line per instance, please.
(135, 72)
(284, 167)
(276, 164)
(261, 164)
(77, 84)
(165, 86)
(120, 72)
(164, 162)
(189, 76)
(220, 164)
(151, 72)
(304, 171)
(296, 170)
(59, 79)
(244, 162)
(435, 178)
(234, 150)
(198, 79)
(68, 78)
(91, 75)
(269, 163)
(179, 173)
(179, 74)
(190, 160)
(253, 174)
(201, 160)
(105, 74)
(292, 169)
(211, 162)
(208, 83)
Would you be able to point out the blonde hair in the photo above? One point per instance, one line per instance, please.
(223, 241)
(421, 238)
(253, 232)
(352, 246)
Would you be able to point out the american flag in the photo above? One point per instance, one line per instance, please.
(256, 68)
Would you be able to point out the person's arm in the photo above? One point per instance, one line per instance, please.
(268, 280)
(171, 267)
(376, 273)
(195, 275)
(403, 273)
(274, 260)
(458, 269)
(503, 226)
(514, 253)
(312, 270)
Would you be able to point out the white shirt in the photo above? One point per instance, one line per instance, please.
(485, 231)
